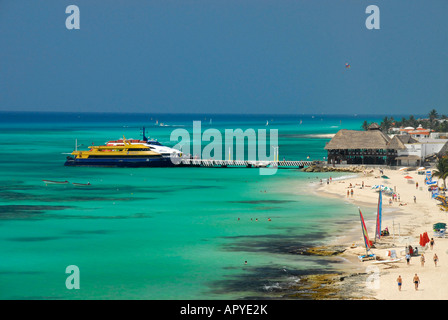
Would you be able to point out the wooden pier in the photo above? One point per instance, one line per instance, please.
(243, 163)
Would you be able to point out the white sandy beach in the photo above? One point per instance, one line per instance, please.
(405, 223)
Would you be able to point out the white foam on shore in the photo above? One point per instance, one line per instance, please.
(344, 177)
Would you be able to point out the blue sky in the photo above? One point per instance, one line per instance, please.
(224, 56)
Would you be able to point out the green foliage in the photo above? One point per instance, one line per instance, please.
(432, 122)
(442, 170)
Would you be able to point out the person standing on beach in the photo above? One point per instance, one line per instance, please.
(399, 281)
(351, 192)
(416, 185)
(348, 193)
(436, 258)
(415, 199)
(431, 243)
(408, 258)
(422, 260)
(416, 281)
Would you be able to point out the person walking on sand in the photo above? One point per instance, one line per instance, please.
(431, 243)
(408, 258)
(422, 260)
(415, 199)
(436, 258)
(416, 281)
(351, 192)
(399, 281)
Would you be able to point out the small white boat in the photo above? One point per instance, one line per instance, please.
(259, 164)
(387, 261)
(54, 182)
(81, 184)
(366, 257)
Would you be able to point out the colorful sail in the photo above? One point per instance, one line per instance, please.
(379, 217)
(364, 232)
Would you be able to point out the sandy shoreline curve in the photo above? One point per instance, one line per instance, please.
(405, 220)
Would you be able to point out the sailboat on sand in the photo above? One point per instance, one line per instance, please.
(368, 243)
(379, 217)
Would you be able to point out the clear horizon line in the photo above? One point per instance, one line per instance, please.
(204, 113)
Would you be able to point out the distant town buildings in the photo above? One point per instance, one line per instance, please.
(404, 146)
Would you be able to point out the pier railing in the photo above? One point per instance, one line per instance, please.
(243, 163)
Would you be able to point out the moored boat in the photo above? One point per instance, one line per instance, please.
(54, 182)
(125, 155)
(81, 184)
(154, 145)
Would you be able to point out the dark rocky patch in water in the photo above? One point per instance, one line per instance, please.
(34, 239)
(276, 244)
(87, 232)
(19, 196)
(30, 212)
(8, 212)
(276, 282)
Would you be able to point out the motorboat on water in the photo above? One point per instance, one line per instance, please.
(153, 144)
(119, 155)
(54, 182)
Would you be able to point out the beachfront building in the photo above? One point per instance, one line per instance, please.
(375, 147)
(418, 152)
(361, 147)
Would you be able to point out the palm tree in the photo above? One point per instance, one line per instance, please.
(412, 122)
(442, 170)
(433, 115)
(365, 125)
(386, 124)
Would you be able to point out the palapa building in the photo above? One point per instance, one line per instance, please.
(365, 147)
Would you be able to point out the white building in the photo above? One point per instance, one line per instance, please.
(415, 153)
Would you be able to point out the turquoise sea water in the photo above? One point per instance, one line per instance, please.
(158, 233)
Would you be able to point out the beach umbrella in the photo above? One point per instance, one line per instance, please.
(385, 177)
(439, 225)
(421, 169)
(421, 241)
(403, 169)
(425, 238)
(408, 177)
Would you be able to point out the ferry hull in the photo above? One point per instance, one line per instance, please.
(134, 163)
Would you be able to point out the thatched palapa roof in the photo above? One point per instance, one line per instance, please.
(354, 139)
(398, 141)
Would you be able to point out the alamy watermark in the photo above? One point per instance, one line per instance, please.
(230, 147)
(73, 280)
(72, 22)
